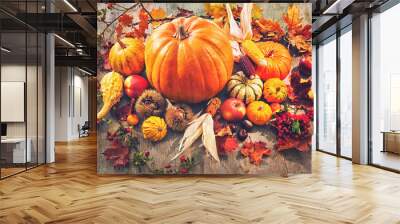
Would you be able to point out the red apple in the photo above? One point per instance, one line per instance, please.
(134, 85)
(233, 109)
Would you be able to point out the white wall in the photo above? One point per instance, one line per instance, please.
(33, 127)
(71, 102)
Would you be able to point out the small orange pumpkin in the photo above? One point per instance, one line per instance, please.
(259, 112)
(188, 59)
(127, 56)
(275, 90)
(279, 61)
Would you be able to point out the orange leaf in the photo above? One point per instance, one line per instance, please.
(215, 10)
(256, 156)
(157, 14)
(257, 35)
(255, 151)
(271, 29)
(300, 42)
(224, 131)
(292, 18)
(256, 12)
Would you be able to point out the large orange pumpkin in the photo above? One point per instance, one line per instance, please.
(278, 59)
(127, 56)
(188, 59)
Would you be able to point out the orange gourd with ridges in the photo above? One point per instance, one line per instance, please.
(278, 61)
(127, 56)
(188, 59)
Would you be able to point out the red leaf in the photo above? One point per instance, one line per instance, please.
(118, 155)
(118, 30)
(226, 144)
(125, 20)
(143, 22)
(247, 148)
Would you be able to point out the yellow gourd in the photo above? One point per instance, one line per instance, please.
(111, 88)
(154, 128)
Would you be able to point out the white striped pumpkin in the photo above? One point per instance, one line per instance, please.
(244, 88)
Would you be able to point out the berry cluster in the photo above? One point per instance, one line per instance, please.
(292, 126)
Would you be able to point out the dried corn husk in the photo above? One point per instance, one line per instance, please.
(201, 126)
(209, 138)
(244, 32)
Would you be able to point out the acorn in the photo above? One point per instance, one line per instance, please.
(150, 103)
(178, 116)
(234, 127)
(242, 134)
(247, 125)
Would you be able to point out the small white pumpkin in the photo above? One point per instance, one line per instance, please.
(244, 88)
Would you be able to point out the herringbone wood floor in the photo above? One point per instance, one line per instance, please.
(69, 191)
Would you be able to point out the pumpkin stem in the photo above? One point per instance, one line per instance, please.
(181, 34)
(121, 43)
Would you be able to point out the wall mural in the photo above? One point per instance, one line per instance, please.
(204, 88)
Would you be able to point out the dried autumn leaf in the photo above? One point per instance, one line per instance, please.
(257, 12)
(256, 156)
(215, 10)
(143, 23)
(247, 148)
(257, 35)
(259, 145)
(304, 31)
(227, 144)
(301, 43)
(292, 18)
(270, 29)
(224, 131)
(118, 155)
(157, 14)
(255, 151)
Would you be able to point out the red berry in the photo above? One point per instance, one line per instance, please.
(183, 170)
(182, 158)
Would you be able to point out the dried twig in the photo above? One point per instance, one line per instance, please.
(113, 21)
(148, 13)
